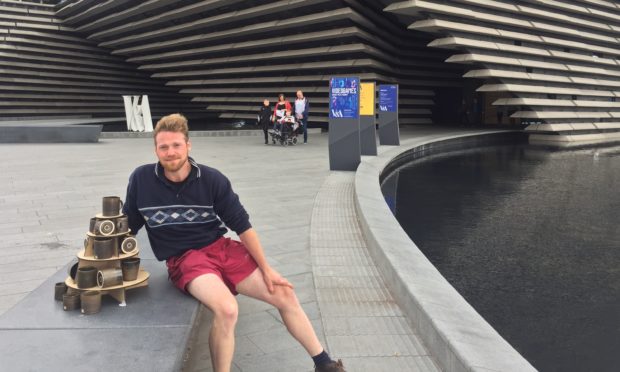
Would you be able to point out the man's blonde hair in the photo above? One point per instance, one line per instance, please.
(172, 123)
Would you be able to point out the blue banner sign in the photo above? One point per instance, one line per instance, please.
(388, 98)
(344, 97)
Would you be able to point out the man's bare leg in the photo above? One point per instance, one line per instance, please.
(285, 300)
(211, 291)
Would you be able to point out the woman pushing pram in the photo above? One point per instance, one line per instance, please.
(285, 125)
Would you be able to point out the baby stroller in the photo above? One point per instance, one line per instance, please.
(287, 135)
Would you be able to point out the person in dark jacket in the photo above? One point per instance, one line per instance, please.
(183, 206)
(264, 118)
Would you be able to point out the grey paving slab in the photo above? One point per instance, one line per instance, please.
(365, 325)
(389, 364)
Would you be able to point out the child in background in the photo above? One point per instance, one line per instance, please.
(288, 118)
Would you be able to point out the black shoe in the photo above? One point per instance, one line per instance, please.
(331, 367)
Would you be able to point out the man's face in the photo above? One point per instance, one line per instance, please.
(300, 95)
(172, 150)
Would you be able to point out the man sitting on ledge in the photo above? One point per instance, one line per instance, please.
(182, 204)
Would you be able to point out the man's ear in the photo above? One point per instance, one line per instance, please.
(189, 145)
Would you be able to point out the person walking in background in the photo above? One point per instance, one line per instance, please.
(301, 112)
(264, 116)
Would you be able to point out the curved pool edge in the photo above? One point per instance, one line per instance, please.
(454, 332)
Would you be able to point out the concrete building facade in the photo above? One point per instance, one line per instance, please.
(551, 66)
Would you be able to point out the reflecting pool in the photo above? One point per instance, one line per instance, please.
(530, 236)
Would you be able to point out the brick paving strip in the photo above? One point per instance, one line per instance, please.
(363, 325)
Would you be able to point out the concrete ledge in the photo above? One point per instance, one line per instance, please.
(49, 133)
(455, 333)
(151, 333)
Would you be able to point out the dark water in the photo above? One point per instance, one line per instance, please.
(531, 238)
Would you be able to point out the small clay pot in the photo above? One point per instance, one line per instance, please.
(91, 302)
(59, 290)
(104, 227)
(91, 226)
(109, 277)
(86, 277)
(70, 301)
(122, 224)
(103, 248)
(111, 206)
(130, 268)
(129, 245)
(73, 271)
(88, 246)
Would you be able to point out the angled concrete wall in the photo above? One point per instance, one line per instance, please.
(230, 55)
(552, 64)
(49, 71)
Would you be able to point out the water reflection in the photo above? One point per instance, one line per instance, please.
(530, 237)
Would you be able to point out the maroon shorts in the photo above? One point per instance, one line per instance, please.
(226, 258)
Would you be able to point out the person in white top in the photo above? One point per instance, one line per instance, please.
(302, 107)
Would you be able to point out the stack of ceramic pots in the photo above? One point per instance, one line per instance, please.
(108, 264)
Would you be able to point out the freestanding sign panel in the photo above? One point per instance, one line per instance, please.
(344, 123)
(344, 97)
(388, 115)
(388, 98)
(368, 136)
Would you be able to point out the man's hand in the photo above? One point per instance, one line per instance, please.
(249, 238)
(272, 278)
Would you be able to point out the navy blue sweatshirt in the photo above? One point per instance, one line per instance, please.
(179, 217)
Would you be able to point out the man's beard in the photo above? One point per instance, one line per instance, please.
(173, 167)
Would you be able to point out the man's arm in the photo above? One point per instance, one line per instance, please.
(129, 207)
(249, 238)
(227, 206)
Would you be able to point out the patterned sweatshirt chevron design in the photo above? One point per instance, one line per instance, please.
(179, 217)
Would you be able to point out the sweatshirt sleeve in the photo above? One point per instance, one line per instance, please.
(130, 207)
(227, 205)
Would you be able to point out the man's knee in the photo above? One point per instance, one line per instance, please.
(226, 313)
(285, 297)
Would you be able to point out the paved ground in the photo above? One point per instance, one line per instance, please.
(362, 322)
(50, 191)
